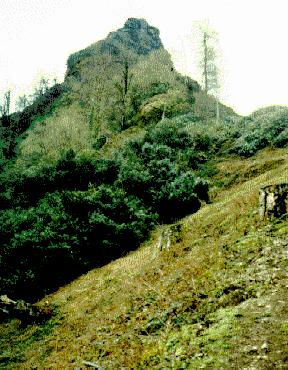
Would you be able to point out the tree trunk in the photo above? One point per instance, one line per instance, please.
(205, 71)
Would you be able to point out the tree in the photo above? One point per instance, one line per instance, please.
(5, 108)
(22, 102)
(208, 60)
(123, 87)
(40, 89)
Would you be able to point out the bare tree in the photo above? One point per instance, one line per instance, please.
(22, 102)
(5, 108)
(123, 88)
(40, 89)
(208, 60)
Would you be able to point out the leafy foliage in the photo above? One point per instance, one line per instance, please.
(65, 234)
(160, 178)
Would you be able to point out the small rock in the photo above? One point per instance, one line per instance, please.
(250, 349)
(264, 346)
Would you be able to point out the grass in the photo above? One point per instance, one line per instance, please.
(216, 299)
(238, 170)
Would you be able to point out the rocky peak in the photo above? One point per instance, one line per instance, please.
(137, 36)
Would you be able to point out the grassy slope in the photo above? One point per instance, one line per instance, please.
(217, 299)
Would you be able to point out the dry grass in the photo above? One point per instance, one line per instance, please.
(66, 129)
(235, 171)
(170, 309)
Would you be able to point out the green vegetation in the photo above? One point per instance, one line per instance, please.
(268, 126)
(66, 205)
(83, 209)
(14, 128)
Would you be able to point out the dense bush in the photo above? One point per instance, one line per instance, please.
(84, 210)
(65, 234)
(69, 172)
(241, 135)
(163, 178)
(210, 137)
(167, 133)
(36, 243)
(282, 139)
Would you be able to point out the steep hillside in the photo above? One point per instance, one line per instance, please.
(126, 179)
(217, 298)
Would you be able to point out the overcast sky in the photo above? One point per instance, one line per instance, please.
(37, 36)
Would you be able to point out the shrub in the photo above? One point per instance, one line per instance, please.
(100, 142)
(37, 248)
(70, 172)
(156, 151)
(134, 180)
(266, 127)
(167, 133)
(181, 196)
(282, 139)
(162, 176)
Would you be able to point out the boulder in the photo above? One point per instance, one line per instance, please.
(273, 201)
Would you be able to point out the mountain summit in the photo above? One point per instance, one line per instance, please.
(125, 80)
(136, 37)
(128, 78)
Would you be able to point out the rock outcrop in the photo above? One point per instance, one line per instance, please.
(273, 201)
(136, 37)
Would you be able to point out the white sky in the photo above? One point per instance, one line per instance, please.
(37, 36)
